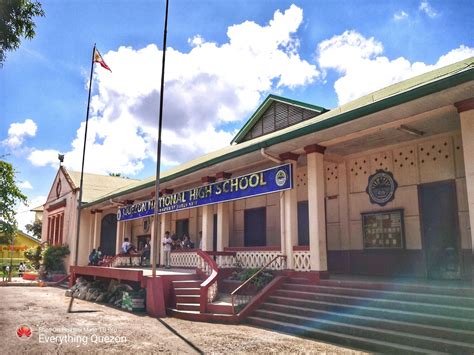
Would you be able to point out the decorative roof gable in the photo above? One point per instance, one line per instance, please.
(276, 113)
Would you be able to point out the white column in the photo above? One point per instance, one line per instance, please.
(316, 209)
(153, 244)
(164, 227)
(222, 226)
(282, 224)
(466, 113)
(289, 218)
(128, 230)
(119, 240)
(97, 228)
(207, 227)
(343, 197)
(91, 232)
(194, 226)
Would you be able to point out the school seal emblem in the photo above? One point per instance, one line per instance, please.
(381, 187)
(280, 178)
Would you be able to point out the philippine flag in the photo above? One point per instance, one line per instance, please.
(98, 59)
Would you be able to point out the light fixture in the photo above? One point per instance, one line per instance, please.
(412, 131)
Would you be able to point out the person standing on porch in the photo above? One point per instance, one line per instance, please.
(146, 253)
(187, 243)
(167, 242)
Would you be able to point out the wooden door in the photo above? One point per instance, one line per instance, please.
(439, 221)
(303, 223)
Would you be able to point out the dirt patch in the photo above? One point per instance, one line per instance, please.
(95, 327)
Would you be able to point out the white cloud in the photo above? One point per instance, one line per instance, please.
(427, 9)
(23, 214)
(455, 55)
(25, 185)
(211, 85)
(44, 157)
(18, 131)
(196, 41)
(400, 15)
(363, 69)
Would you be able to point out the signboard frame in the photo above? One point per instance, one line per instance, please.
(381, 235)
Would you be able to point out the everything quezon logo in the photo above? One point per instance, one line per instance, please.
(24, 332)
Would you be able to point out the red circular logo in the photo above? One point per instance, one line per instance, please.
(23, 332)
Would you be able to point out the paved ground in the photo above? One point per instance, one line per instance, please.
(94, 328)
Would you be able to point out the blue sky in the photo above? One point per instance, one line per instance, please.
(225, 57)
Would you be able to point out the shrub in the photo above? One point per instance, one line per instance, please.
(35, 256)
(53, 258)
(259, 281)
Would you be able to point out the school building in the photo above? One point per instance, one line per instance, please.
(379, 186)
(382, 186)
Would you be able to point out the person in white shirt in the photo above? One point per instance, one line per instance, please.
(126, 246)
(167, 242)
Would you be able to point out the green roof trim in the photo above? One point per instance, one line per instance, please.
(391, 96)
(263, 107)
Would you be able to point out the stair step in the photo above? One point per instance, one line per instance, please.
(364, 310)
(187, 291)
(300, 281)
(187, 283)
(188, 306)
(343, 339)
(220, 308)
(409, 286)
(461, 312)
(202, 317)
(387, 324)
(184, 311)
(370, 332)
(383, 294)
(187, 298)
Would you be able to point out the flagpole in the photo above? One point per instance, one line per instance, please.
(79, 202)
(155, 243)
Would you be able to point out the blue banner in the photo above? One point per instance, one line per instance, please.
(259, 183)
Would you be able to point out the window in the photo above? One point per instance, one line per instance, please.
(182, 227)
(255, 227)
(55, 229)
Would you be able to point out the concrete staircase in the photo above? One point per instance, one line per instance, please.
(373, 316)
(188, 303)
(187, 293)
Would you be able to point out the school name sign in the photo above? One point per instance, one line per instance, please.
(263, 182)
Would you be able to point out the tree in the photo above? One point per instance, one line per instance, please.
(34, 255)
(35, 228)
(16, 21)
(10, 195)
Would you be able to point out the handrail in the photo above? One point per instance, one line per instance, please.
(251, 249)
(257, 273)
(246, 282)
(206, 284)
(221, 253)
(110, 262)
